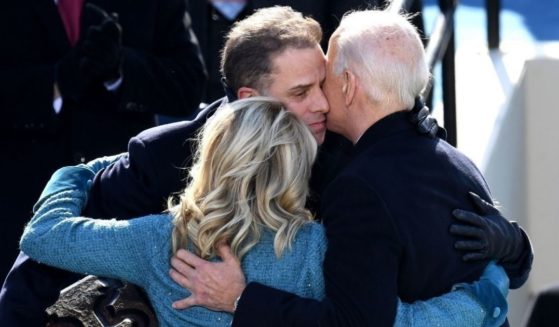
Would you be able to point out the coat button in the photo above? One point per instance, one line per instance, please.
(496, 312)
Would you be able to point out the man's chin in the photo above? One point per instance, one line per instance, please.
(319, 137)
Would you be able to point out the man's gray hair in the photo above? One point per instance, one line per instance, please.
(385, 52)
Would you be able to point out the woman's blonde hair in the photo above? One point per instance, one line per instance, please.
(250, 172)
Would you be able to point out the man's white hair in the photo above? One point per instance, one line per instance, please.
(385, 52)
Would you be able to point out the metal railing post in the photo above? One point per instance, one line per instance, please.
(449, 74)
(449, 92)
(441, 47)
(493, 8)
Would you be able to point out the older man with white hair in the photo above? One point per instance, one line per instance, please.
(392, 204)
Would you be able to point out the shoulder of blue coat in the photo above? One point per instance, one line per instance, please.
(313, 237)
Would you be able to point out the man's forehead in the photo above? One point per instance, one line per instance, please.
(294, 58)
(296, 68)
(294, 83)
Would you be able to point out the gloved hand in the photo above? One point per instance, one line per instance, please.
(67, 178)
(101, 46)
(425, 123)
(490, 236)
(96, 58)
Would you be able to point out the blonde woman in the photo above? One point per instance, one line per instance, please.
(247, 189)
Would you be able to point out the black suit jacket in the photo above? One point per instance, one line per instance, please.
(387, 217)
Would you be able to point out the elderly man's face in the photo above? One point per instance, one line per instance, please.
(333, 89)
(297, 77)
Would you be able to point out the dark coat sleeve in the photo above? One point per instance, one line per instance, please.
(518, 271)
(141, 181)
(29, 288)
(360, 269)
(155, 168)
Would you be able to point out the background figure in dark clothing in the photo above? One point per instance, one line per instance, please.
(211, 20)
(68, 97)
(544, 309)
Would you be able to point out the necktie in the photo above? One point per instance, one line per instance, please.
(70, 13)
(230, 9)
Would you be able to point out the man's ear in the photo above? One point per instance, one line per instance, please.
(246, 92)
(349, 87)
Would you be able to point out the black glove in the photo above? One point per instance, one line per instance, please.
(425, 123)
(101, 47)
(490, 236)
(95, 59)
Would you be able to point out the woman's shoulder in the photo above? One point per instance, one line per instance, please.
(160, 219)
(299, 268)
(317, 241)
(157, 225)
(308, 245)
(312, 232)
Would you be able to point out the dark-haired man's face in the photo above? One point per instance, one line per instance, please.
(296, 79)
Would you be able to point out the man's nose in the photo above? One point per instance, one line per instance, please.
(321, 104)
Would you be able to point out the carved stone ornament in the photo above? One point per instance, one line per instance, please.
(99, 302)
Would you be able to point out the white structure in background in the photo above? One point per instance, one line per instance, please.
(508, 124)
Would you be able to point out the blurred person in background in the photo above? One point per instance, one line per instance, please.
(77, 80)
